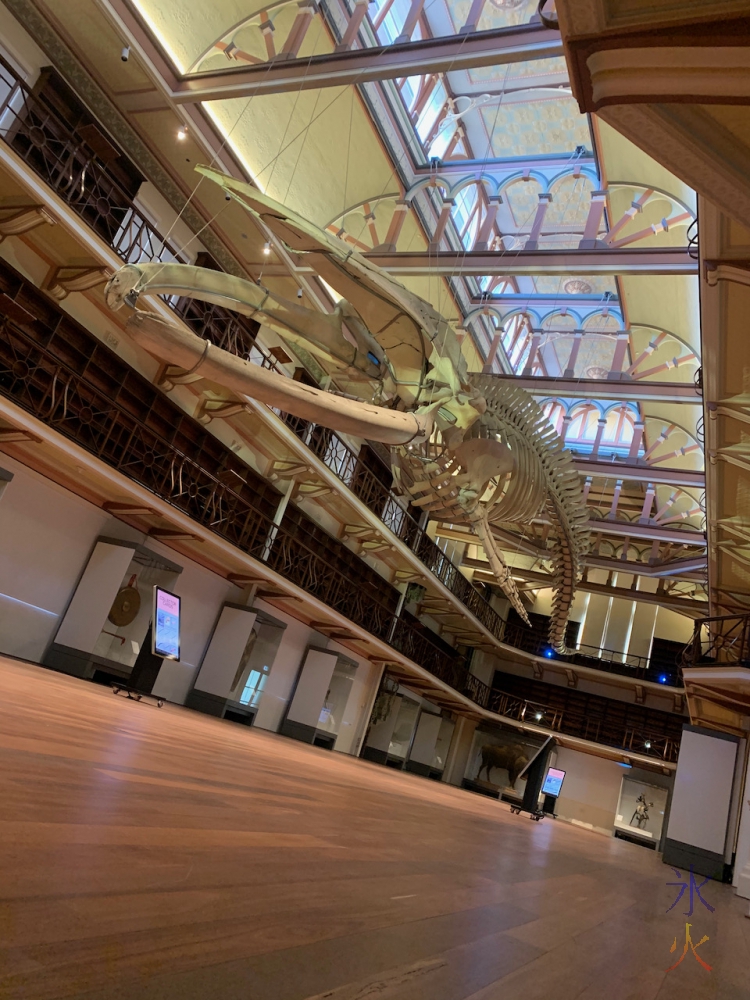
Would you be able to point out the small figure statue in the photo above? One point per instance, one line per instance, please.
(640, 817)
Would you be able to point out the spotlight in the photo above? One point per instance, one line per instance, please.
(647, 744)
(182, 133)
(267, 247)
(299, 293)
(538, 716)
(125, 54)
(548, 653)
(663, 679)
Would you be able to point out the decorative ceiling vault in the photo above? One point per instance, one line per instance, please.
(443, 142)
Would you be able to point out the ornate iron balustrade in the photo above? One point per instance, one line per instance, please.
(534, 640)
(64, 160)
(536, 713)
(54, 369)
(394, 513)
(720, 641)
(82, 176)
(75, 165)
(524, 710)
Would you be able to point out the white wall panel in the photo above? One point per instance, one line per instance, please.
(46, 536)
(310, 693)
(101, 581)
(591, 790)
(228, 642)
(425, 738)
(297, 637)
(702, 791)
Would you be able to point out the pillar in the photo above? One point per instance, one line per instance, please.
(458, 756)
(573, 359)
(442, 222)
(487, 367)
(277, 519)
(532, 243)
(355, 23)
(590, 240)
(635, 444)
(618, 359)
(303, 20)
(397, 224)
(473, 17)
(535, 341)
(483, 236)
(601, 424)
(741, 880)
(415, 12)
(267, 29)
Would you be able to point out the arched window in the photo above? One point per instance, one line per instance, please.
(583, 424)
(554, 412)
(466, 214)
(517, 341)
(619, 428)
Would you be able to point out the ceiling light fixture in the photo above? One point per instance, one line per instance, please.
(267, 247)
(182, 133)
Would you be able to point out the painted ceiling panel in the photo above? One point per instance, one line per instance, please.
(536, 129)
(186, 28)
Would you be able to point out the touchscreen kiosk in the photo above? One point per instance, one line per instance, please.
(553, 782)
(166, 630)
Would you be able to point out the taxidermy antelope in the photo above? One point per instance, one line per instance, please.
(468, 449)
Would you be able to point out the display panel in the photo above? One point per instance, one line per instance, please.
(166, 630)
(553, 782)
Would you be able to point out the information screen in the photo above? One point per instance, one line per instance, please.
(553, 782)
(166, 630)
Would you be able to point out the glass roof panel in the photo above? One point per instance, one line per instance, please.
(535, 128)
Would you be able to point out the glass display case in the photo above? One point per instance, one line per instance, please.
(442, 744)
(403, 731)
(127, 623)
(256, 662)
(334, 706)
(640, 811)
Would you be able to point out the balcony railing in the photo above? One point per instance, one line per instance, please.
(723, 641)
(54, 369)
(64, 159)
(534, 640)
(395, 514)
(75, 163)
(611, 733)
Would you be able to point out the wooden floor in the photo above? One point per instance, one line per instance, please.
(155, 854)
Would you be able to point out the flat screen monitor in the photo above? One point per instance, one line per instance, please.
(553, 782)
(165, 639)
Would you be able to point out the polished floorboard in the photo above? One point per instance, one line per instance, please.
(151, 854)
